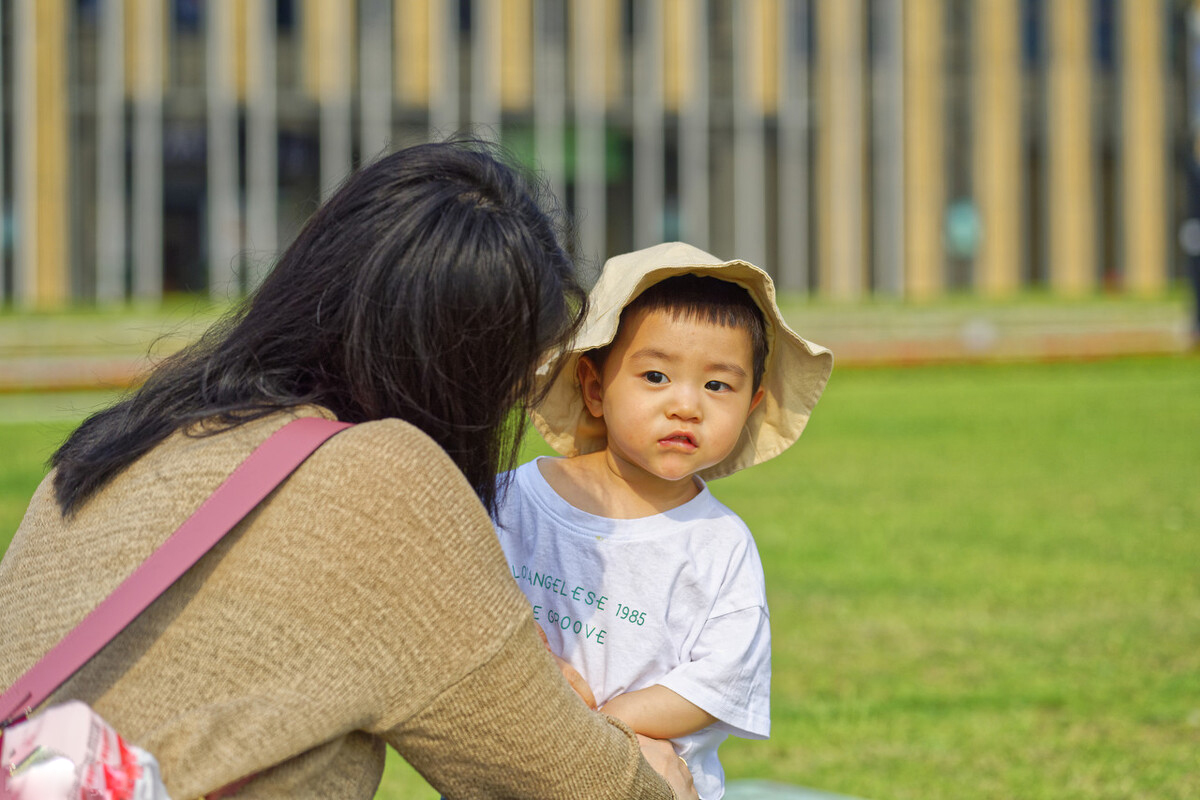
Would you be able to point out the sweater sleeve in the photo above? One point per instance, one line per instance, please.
(465, 691)
(512, 728)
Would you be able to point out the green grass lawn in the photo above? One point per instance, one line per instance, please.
(984, 583)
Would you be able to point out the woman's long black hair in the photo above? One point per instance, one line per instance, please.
(426, 288)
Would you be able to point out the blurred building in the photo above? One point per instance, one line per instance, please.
(902, 148)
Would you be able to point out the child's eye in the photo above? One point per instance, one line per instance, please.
(717, 386)
(655, 377)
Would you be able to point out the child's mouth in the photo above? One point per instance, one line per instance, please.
(681, 440)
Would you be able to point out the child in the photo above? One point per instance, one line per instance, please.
(642, 581)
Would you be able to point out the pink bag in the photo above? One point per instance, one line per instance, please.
(68, 751)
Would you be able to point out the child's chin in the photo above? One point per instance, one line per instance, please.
(676, 475)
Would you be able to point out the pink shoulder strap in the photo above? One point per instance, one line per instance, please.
(264, 469)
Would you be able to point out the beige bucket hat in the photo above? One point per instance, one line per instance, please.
(794, 378)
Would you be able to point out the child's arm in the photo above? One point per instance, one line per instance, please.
(658, 712)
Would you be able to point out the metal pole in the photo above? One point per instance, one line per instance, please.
(485, 68)
(588, 56)
(749, 202)
(648, 167)
(335, 122)
(374, 78)
(262, 134)
(148, 161)
(793, 267)
(550, 97)
(224, 219)
(24, 277)
(443, 69)
(887, 145)
(3, 206)
(111, 252)
(694, 127)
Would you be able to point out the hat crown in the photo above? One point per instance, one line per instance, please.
(667, 254)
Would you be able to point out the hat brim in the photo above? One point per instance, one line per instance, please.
(794, 377)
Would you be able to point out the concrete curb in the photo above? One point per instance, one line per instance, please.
(47, 353)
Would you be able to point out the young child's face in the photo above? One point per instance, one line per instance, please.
(674, 393)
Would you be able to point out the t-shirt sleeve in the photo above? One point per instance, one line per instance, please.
(729, 674)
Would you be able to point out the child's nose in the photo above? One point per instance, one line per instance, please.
(685, 405)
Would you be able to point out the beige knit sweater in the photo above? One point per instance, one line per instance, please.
(364, 602)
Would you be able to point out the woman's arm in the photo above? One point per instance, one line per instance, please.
(658, 712)
(514, 728)
(456, 678)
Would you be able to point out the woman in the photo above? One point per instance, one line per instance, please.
(366, 602)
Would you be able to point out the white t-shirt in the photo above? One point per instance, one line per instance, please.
(675, 599)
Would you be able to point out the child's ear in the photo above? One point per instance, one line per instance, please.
(591, 385)
(754, 401)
